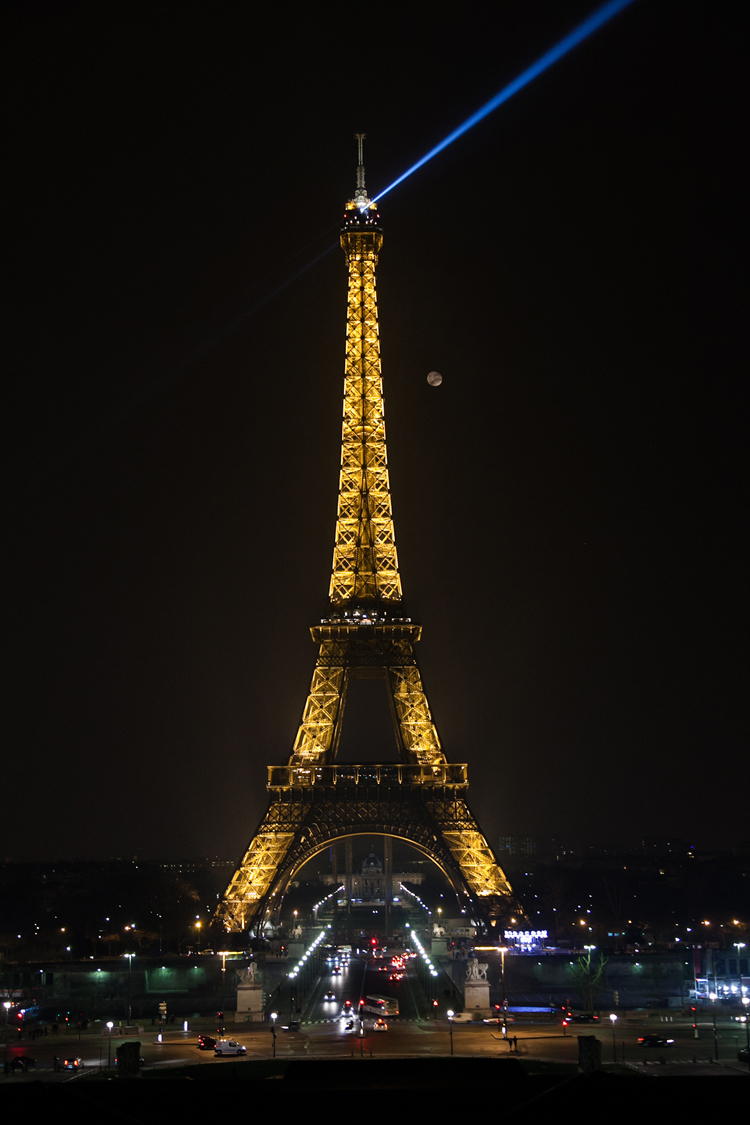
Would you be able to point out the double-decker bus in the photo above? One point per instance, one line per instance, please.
(381, 1005)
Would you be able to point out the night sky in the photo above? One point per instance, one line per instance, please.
(569, 504)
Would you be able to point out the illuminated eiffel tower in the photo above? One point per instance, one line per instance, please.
(421, 799)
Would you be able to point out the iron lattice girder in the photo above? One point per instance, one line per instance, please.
(354, 650)
(365, 561)
(307, 819)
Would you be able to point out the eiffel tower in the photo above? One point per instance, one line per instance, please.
(421, 799)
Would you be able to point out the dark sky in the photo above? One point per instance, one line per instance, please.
(568, 504)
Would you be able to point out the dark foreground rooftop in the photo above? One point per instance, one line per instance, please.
(433, 1083)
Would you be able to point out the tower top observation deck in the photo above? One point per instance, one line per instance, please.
(360, 214)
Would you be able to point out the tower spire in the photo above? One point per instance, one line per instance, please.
(365, 562)
(360, 194)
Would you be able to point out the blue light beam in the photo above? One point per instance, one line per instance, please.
(571, 40)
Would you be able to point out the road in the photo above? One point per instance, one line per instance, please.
(412, 1033)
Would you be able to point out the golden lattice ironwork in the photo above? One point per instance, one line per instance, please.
(365, 562)
(420, 799)
(372, 646)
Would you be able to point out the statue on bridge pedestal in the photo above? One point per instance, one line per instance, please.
(475, 971)
(250, 975)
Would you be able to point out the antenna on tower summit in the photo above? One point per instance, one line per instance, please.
(360, 195)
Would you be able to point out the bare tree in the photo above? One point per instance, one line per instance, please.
(588, 974)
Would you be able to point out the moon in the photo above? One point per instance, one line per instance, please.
(434, 378)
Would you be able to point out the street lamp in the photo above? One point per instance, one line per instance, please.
(613, 1017)
(739, 945)
(274, 1017)
(130, 957)
(223, 954)
(450, 1013)
(7, 1005)
(590, 949)
(746, 1001)
(502, 951)
(109, 1046)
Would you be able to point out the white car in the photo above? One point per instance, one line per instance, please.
(229, 1047)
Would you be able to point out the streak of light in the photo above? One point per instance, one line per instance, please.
(572, 39)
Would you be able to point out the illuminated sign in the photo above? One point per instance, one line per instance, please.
(526, 936)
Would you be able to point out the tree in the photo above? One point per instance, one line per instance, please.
(588, 974)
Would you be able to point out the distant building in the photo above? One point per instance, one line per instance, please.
(370, 883)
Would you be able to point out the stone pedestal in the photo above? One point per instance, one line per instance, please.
(249, 1003)
(476, 988)
(438, 947)
(477, 997)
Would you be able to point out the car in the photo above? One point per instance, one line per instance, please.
(379, 1025)
(329, 996)
(229, 1047)
(75, 1063)
(655, 1041)
(293, 1025)
(22, 1062)
(580, 1017)
(743, 1055)
(206, 1042)
(466, 1017)
(499, 1019)
(335, 970)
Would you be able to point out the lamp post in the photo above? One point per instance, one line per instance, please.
(130, 957)
(274, 1017)
(450, 1013)
(502, 951)
(110, 1025)
(7, 1005)
(712, 997)
(613, 1017)
(223, 954)
(739, 946)
(590, 949)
